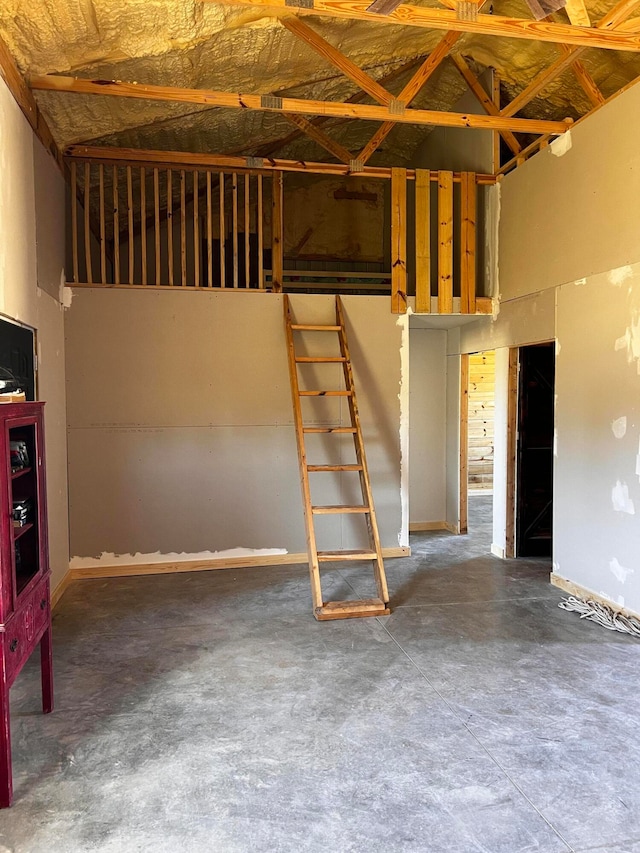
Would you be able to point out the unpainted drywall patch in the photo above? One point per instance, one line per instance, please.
(619, 571)
(580, 282)
(111, 559)
(66, 293)
(638, 462)
(562, 144)
(621, 500)
(620, 275)
(630, 341)
(619, 427)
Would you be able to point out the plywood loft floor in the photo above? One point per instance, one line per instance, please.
(211, 712)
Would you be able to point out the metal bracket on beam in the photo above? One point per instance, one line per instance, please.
(270, 102)
(396, 107)
(467, 10)
(254, 162)
(299, 4)
(356, 166)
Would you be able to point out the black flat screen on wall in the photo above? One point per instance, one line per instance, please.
(16, 355)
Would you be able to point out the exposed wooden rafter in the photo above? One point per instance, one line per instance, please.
(24, 98)
(409, 92)
(186, 160)
(233, 100)
(319, 136)
(492, 25)
(335, 57)
(490, 108)
(577, 12)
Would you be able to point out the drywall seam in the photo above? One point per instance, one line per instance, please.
(403, 395)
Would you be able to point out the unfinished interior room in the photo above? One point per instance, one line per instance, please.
(319, 426)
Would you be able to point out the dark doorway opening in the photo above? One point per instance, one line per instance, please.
(536, 399)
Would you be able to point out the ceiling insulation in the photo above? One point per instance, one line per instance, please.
(191, 44)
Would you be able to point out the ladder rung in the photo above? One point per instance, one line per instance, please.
(317, 468)
(310, 327)
(336, 556)
(327, 510)
(329, 429)
(351, 609)
(325, 393)
(320, 359)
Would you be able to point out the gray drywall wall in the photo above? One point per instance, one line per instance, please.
(181, 434)
(32, 253)
(597, 470)
(568, 217)
(427, 425)
(568, 239)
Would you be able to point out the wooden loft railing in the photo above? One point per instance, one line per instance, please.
(446, 262)
(195, 227)
(135, 226)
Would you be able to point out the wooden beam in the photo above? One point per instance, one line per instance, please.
(445, 243)
(409, 92)
(319, 136)
(468, 199)
(577, 12)
(542, 80)
(463, 468)
(231, 100)
(540, 142)
(335, 57)
(24, 98)
(490, 108)
(423, 242)
(399, 241)
(185, 159)
(277, 248)
(585, 79)
(444, 19)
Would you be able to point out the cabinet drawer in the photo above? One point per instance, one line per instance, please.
(25, 628)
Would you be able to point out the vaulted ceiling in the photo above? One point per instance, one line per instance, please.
(246, 48)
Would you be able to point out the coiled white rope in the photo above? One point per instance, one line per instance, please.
(605, 616)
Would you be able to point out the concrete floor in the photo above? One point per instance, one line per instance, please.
(210, 712)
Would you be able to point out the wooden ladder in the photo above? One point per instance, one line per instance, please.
(334, 609)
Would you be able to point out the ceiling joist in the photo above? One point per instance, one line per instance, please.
(602, 36)
(267, 103)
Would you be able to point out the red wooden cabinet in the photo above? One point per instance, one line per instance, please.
(25, 605)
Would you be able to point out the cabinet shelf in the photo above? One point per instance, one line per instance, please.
(20, 472)
(20, 531)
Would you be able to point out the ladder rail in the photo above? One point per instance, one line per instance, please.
(365, 482)
(312, 549)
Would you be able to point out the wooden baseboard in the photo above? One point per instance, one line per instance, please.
(133, 570)
(587, 594)
(452, 528)
(60, 589)
(421, 526)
